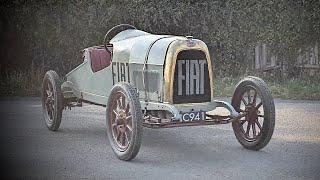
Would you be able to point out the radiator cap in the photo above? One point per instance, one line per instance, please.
(189, 37)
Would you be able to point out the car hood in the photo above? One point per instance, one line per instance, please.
(127, 34)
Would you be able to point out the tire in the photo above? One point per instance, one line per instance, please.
(52, 100)
(253, 97)
(124, 121)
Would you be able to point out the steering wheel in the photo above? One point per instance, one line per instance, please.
(113, 32)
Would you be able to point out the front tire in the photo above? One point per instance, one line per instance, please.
(253, 97)
(124, 121)
(52, 100)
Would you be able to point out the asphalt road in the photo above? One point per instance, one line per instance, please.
(79, 149)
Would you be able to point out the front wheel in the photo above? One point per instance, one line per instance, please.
(253, 98)
(124, 121)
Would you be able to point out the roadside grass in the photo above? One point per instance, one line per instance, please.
(28, 83)
(295, 88)
(21, 83)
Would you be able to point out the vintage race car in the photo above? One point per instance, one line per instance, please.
(156, 81)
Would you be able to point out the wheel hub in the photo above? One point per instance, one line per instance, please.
(252, 113)
(122, 128)
(122, 117)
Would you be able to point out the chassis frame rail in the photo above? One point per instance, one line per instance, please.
(214, 120)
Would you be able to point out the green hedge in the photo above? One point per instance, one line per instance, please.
(51, 33)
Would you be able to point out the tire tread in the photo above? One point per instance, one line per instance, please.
(268, 104)
(53, 77)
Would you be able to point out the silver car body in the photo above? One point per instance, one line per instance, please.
(148, 62)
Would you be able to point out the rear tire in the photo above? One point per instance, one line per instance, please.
(253, 97)
(52, 100)
(124, 121)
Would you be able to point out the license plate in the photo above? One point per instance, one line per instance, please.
(193, 116)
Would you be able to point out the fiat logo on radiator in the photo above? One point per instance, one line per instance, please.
(191, 43)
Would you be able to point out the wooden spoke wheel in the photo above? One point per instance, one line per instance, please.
(124, 121)
(121, 120)
(52, 101)
(253, 98)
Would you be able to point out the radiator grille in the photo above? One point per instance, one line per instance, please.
(191, 78)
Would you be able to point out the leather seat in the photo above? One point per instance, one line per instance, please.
(100, 59)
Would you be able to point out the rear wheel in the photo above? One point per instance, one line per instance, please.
(253, 97)
(52, 100)
(124, 121)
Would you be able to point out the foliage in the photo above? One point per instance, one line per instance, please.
(51, 33)
(22, 83)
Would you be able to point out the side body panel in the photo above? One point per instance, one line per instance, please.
(90, 86)
(145, 56)
(138, 60)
